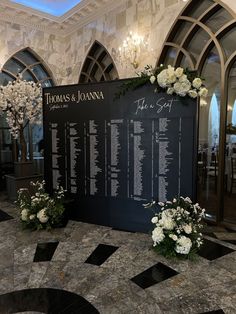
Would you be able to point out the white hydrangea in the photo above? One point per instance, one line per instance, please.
(24, 214)
(166, 77)
(187, 229)
(157, 235)
(167, 222)
(183, 245)
(182, 89)
(41, 215)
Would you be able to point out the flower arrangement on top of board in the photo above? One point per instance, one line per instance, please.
(179, 81)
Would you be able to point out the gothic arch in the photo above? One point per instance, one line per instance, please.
(203, 38)
(98, 65)
(27, 63)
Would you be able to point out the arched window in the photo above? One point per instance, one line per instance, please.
(26, 63)
(29, 65)
(98, 65)
(203, 38)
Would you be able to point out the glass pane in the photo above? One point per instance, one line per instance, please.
(217, 20)
(5, 78)
(228, 42)
(170, 56)
(184, 62)
(230, 151)
(26, 57)
(209, 123)
(198, 8)
(39, 72)
(197, 43)
(28, 76)
(47, 83)
(14, 66)
(182, 30)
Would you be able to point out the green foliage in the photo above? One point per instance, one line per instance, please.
(38, 210)
(177, 228)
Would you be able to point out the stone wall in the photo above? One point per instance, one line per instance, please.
(65, 56)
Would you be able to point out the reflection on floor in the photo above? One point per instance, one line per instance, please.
(50, 272)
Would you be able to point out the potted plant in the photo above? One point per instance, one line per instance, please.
(21, 105)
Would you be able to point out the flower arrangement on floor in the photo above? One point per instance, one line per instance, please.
(179, 81)
(177, 227)
(40, 211)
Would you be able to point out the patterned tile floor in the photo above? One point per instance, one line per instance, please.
(85, 268)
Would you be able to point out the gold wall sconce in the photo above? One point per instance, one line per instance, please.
(131, 49)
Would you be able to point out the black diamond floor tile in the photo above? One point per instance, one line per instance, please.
(214, 312)
(4, 216)
(211, 250)
(230, 241)
(124, 230)
(44, 300)
(101, 254)
(153, 275)
(44, 251)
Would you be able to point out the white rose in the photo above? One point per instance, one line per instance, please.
(187, 199)
(179, 72)
(173, 237)
(154, 220)
(31, 217)
(170, 90)
(183, 245)
(197, 83)
(192, 93)
(157, 235)
(24, 214)
(41, 215)
(187, 229)
(152, 79)
(203, 92)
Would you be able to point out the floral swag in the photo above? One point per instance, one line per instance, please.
(179, 81)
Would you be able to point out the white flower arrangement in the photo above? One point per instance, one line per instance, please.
(21, 104)
(178, 81)
(177, 227)
(40, 211)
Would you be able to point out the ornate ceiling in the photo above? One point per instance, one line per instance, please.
(81, 14)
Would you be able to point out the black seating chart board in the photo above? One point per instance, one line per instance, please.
(113, 155)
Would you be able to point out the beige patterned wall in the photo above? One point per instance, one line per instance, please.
(149, 18)
(49, 48)
(64, 56)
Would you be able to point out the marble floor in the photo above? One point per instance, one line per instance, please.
(85, 268)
